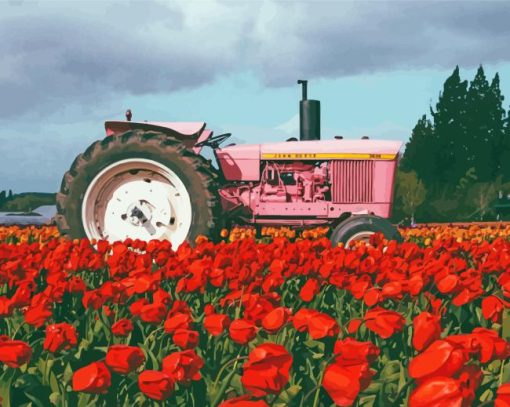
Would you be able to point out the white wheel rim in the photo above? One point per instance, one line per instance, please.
(137, 198)
(360, 236)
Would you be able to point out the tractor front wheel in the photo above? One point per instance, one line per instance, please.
(139, 185)
(361, 227)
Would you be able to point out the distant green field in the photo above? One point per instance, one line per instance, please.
(26, 201)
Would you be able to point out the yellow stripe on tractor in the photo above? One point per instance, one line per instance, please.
(327, 156)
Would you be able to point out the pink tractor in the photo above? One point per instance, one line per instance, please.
(148, 181)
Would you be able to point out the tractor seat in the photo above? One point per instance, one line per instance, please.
(291, 139)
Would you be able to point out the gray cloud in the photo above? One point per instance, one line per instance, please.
(53, 53)
(325, 39)
(56, 53)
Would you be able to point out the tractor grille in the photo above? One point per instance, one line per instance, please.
(352, 181)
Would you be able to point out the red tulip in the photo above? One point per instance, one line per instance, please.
(484, 343)
(14, 353)
(60, 337)
(309, 290)
(267, 369)
(447, 284)
(384, 322)
(350, 351)
(426, 329)
(209, 310)
(372, 296)
(124, 359)
(353, 325)
(156, 385)
(344, 383)
(441, 358)
(185, 338)
(93, 378)
(92, 299)
(39, 314)
(242, 331)
(136, 307)
(216, 324)
(302, 318)
(177, 321)
(492, 308)
(491, 346)
(122, 327)
(243, 401)
(183, 366)
(161, 296)
(322, 325)
(440, 391)
(6, 307)
(503, 396)
(275, 319)
(153, 313)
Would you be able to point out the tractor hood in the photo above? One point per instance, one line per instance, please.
(242, 162)
(331, 150)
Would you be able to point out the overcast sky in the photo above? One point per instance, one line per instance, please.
(66, 67)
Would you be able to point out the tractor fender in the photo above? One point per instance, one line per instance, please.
(189, 133)
(176, 129)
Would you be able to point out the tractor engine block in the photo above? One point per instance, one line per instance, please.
(294, 182)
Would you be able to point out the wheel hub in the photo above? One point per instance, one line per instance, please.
(139, 213)
(138, 199)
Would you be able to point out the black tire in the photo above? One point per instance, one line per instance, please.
(363, 223)
(195, 172)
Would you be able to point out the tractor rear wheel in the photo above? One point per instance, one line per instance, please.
(140, 185)
(361, 227)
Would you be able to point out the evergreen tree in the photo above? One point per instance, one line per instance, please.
(479, 125)
(420, 148)
(450, 161)
(496, 126)
(504, 157)
(10, 194)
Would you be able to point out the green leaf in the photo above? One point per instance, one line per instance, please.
(34, 400)
(148, 352)
(83, 400)
(310, 343)
(506, 325)
(54, 383)
(55, 399)
(68, 374)
(5, 385)
(285, 397)
(506, 373)
(373, 388)
(391, 370)
(236, 384)
(367, 401)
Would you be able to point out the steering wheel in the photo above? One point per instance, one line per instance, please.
(214, 141)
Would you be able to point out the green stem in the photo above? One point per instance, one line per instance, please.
(501, 372)
(152, 333)
(226, 382)
(319, 382)
(17, 329)
(218, 376)
(318, 389)
(400, 392)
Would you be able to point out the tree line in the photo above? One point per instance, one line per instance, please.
(5, 197)
(457, 162)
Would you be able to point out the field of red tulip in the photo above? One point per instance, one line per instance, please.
(276, 319)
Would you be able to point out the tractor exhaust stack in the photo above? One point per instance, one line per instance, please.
(309, 116)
